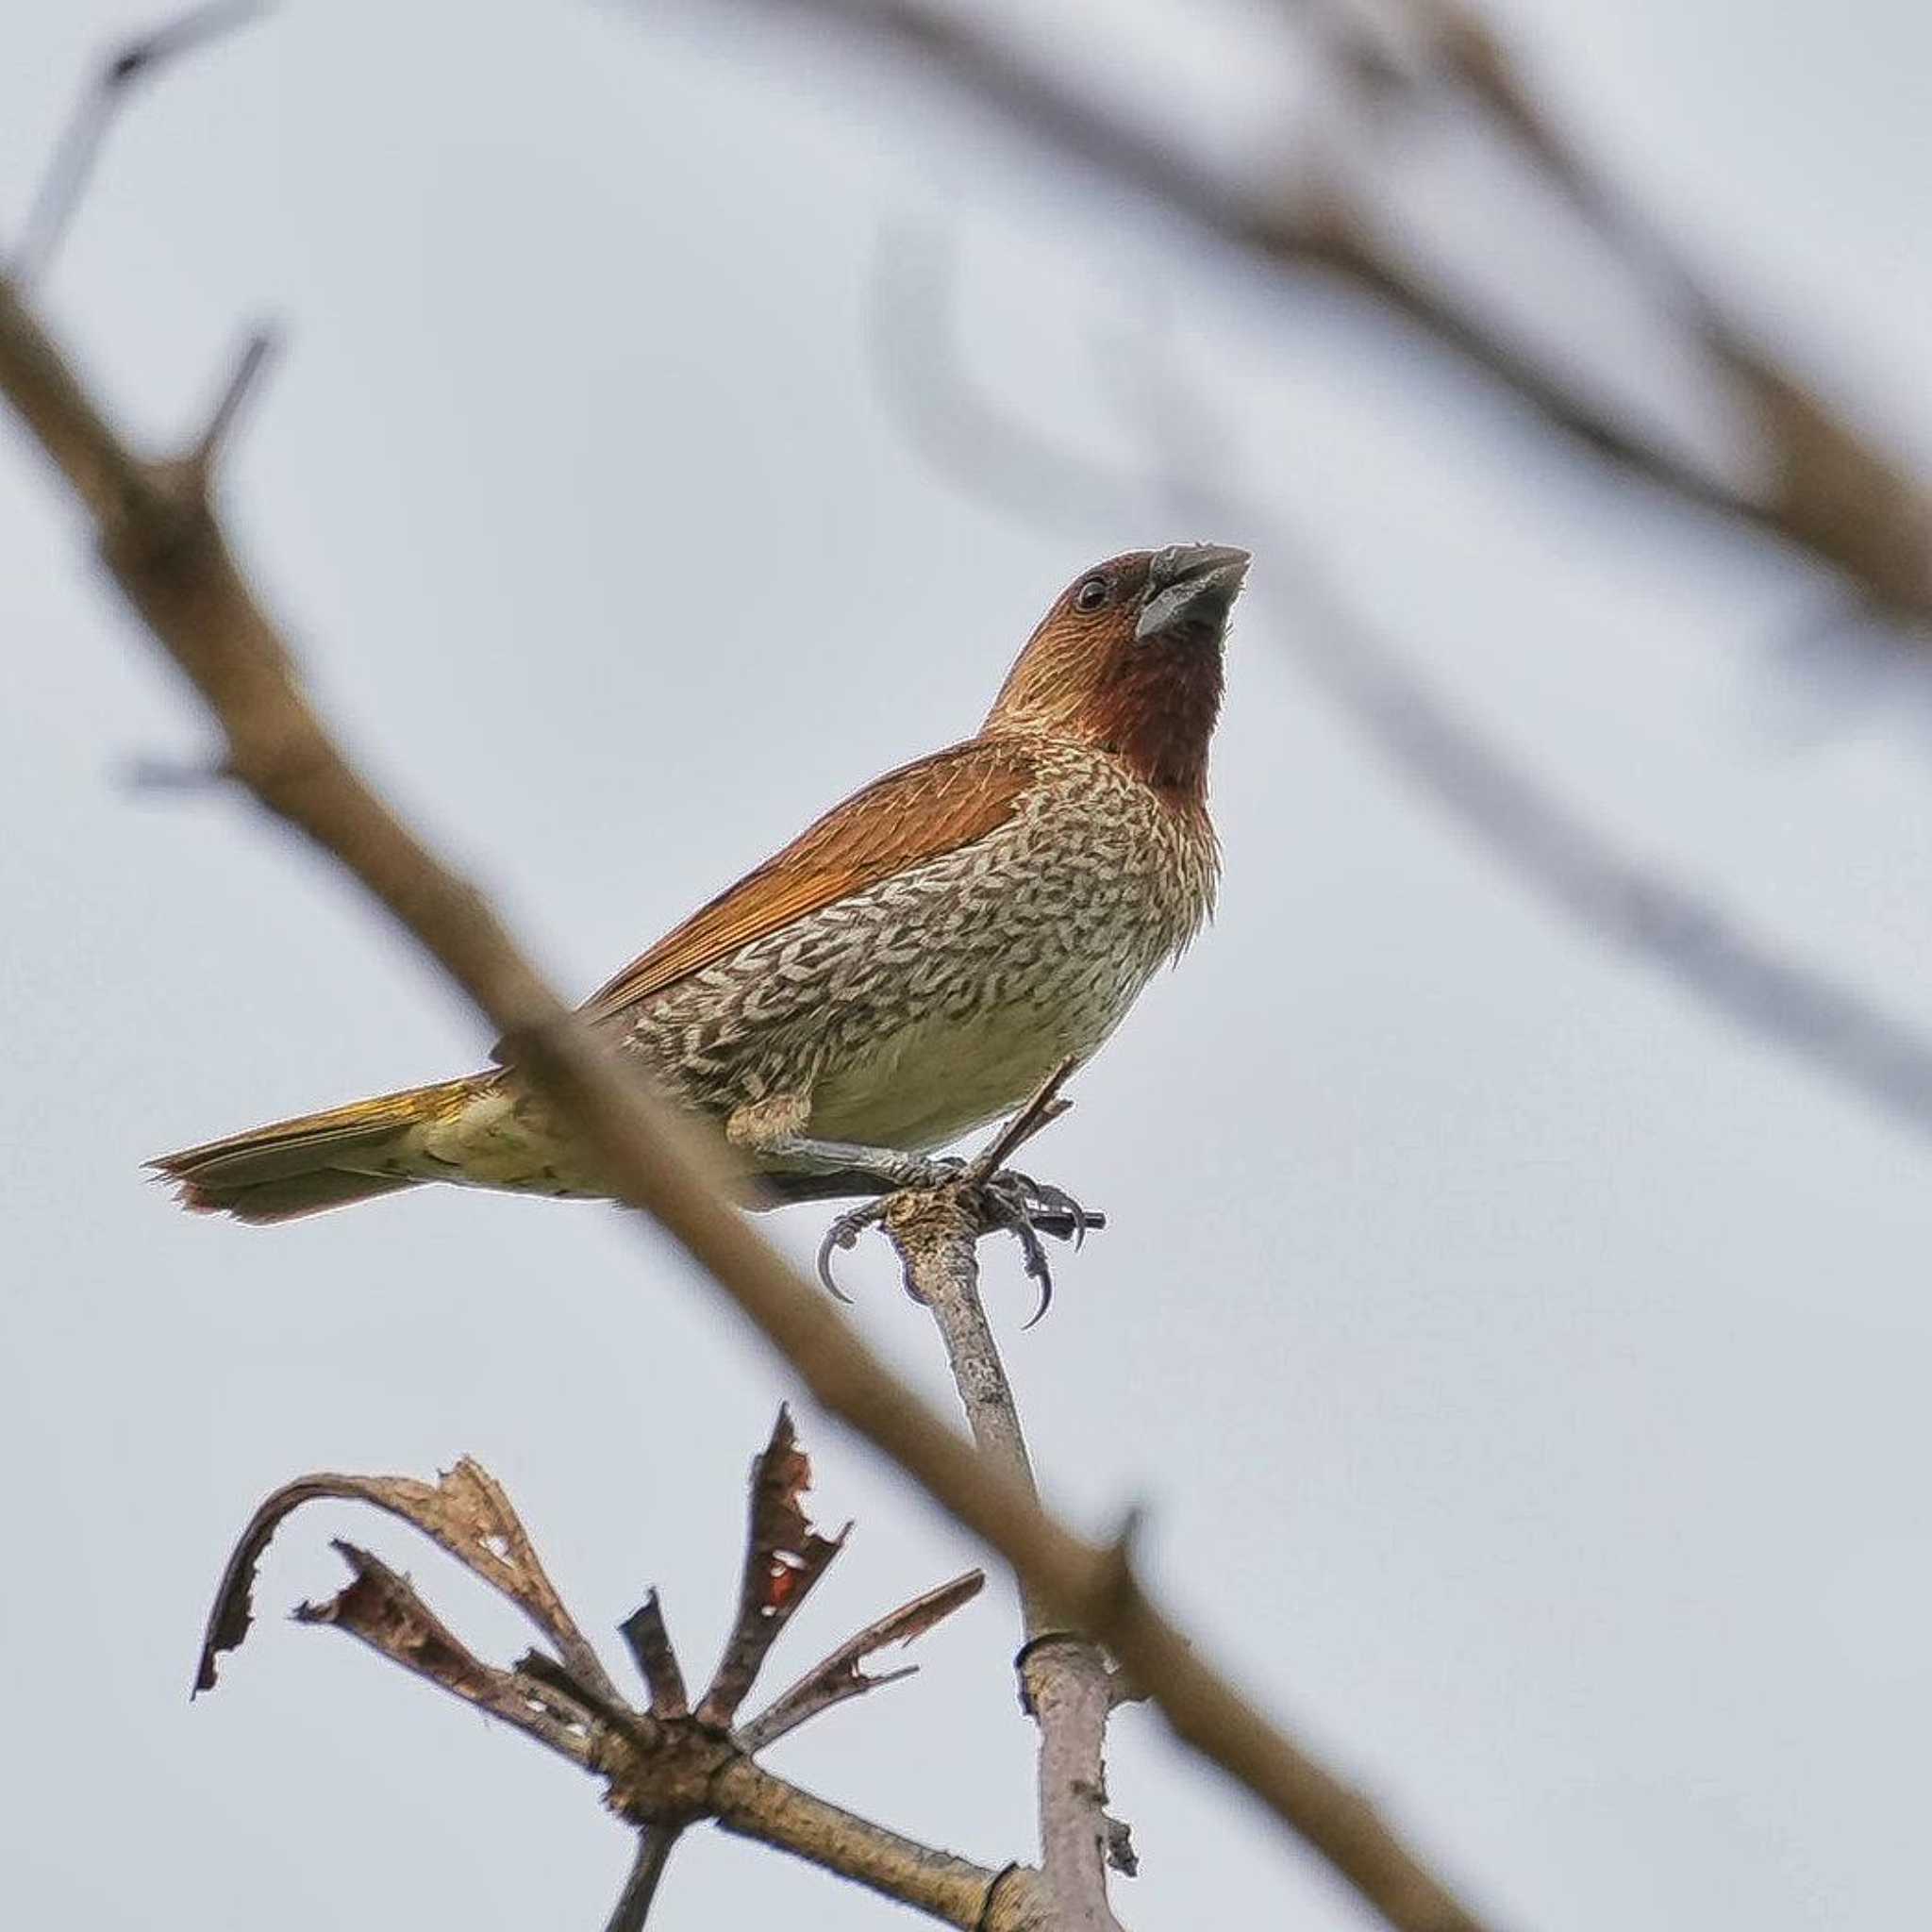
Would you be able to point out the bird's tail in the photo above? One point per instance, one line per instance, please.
(321, 1161)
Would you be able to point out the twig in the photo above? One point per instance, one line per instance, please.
(169, 557)
(1070, 1689)
(79, 146)
(244, 377)
(656, 1843)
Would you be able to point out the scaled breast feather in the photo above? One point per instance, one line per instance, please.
(921, 811)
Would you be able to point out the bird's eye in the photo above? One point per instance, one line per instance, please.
(1092, 595)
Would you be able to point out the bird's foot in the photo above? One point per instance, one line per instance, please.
(990, 1194)
(1027, 1208)
(1024, 1207)
(906, 1174)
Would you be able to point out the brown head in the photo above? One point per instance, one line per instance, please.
(1128, 660)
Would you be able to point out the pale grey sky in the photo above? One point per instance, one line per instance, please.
(1525, 1375)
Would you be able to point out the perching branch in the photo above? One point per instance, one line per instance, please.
(663, 1769)
(1826, 491)
(1064, 1679)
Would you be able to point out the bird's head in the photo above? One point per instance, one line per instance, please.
(1128, 660)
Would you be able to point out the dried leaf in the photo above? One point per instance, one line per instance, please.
(839, 1678)
(649, 1641)
(381, 1607)
(466, 1512)
(784, 1557)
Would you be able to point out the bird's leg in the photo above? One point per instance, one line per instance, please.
(774, 1129)
(892, 1169)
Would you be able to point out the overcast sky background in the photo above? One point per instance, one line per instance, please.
(1526, 1374)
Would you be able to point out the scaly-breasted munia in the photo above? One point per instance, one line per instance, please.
(913, 966)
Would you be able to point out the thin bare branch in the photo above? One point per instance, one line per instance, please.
(171, 562)
(839, 1678)
(1065, 1678)
(71, 164)
(664, 1776)
(244, 378)
(656, 1844)
(1070, 1687)
(753, 1803)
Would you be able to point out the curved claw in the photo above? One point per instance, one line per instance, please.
(1058, 1201)
(1013, 1197)
(844, 1233)
(1043, 1275)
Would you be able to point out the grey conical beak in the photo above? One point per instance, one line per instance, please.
(1191, 586)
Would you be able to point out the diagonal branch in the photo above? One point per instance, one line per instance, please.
(166, 553)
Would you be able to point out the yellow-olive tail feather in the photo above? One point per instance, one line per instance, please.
(319, 1160)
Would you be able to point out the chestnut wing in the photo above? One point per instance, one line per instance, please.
(919, 813)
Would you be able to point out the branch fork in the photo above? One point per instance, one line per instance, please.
(670, 1765)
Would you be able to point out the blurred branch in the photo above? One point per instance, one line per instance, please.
(662, 1772)
(1546, 842)
(71, 164)
(1827, 491)
(164, 548)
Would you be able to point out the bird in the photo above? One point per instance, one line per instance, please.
(913, 966)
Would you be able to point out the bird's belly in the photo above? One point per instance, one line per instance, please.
(940, 1077)
(909, 1011)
